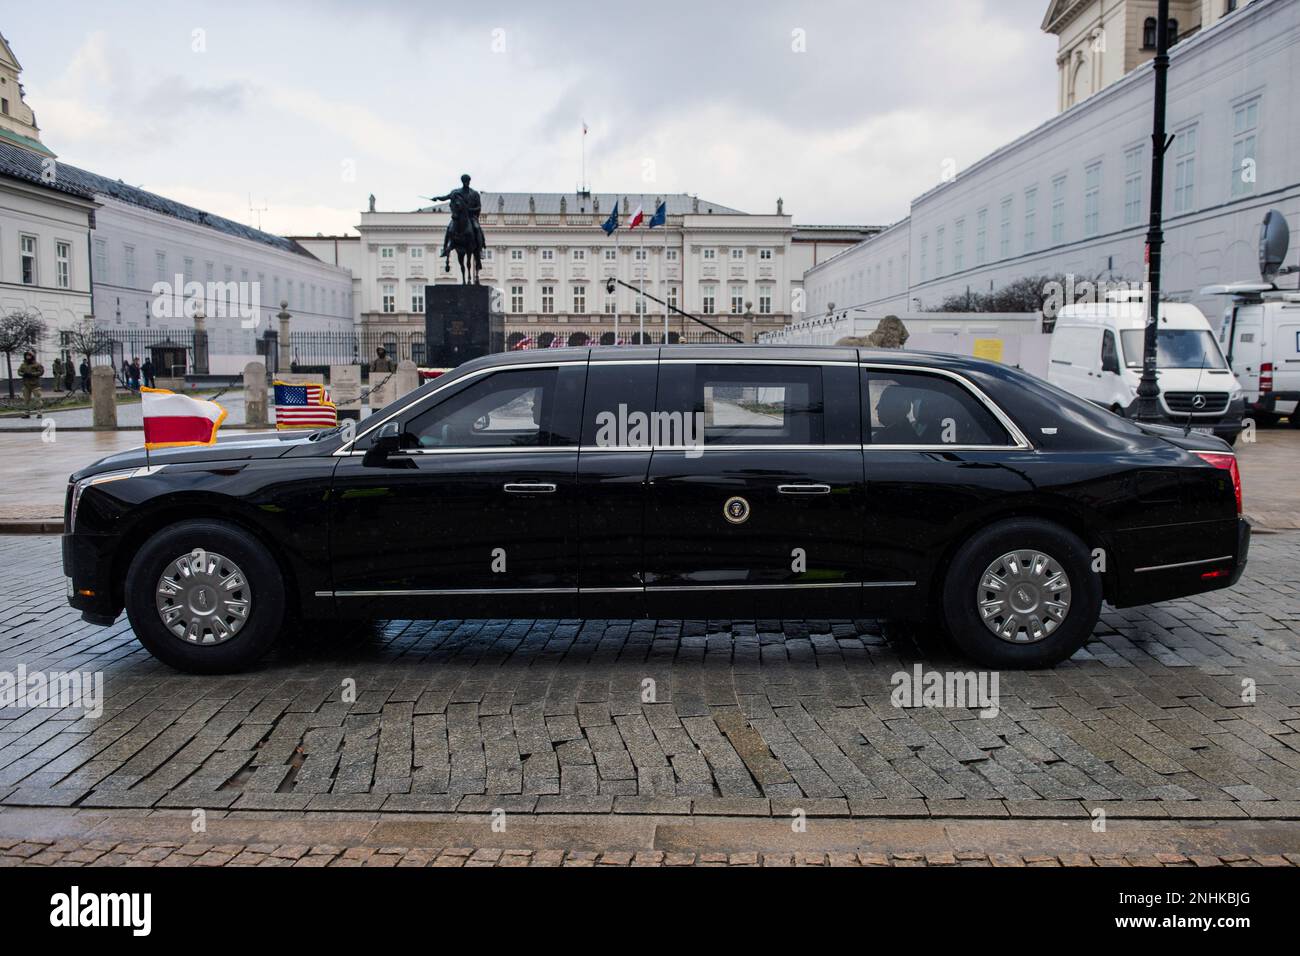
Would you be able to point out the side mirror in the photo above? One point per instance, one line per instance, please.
(388, 441)
(1110, 363)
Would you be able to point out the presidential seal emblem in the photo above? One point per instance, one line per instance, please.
(736, 510)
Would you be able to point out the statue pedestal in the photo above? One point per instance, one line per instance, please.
(459, 324)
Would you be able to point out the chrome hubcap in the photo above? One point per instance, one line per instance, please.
(203, 597)
(1023, 596)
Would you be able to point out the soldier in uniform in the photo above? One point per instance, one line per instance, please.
(382, 363)
(30, 372)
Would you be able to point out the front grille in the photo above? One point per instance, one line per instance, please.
(1185, 403)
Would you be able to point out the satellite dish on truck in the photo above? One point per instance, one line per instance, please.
(1274, 237)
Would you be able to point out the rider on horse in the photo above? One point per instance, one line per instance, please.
(463, 231)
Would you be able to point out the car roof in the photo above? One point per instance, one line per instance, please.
(1132, 315)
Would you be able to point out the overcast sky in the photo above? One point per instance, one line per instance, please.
(846, 108)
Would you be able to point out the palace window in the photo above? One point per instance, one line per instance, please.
(1058, 210)
(958, 248)
(764, 255)
(938, 251)
(160, 265)
(516, 255)
(765, 300)
(1004, 230)
(578, 255)
(670, 255)
(1185, 169)
(1031, 217)
(548, 255)
(708, 254)
(1245, 129)
(737, 255)
(387, 252)
(388, 302)
(516, 299)
(63, 263)
(548, 300)
(981, 236)
(415, 252)
(579, 299)
(128, 258)
(672, 296)
(611, 255)
(707, 294)
(417, 299)
(1133, 186)
(611, 302)
(737, 299)
(1092, 200)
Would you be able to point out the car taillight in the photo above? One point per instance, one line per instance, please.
(1229, 464)
(1266, 377)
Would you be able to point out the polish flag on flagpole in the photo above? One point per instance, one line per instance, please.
(637, 218)
(172, 420)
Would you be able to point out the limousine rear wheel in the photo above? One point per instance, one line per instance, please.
(1022, 593)
(205, 597)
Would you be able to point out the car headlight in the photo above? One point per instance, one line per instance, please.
(79, 488)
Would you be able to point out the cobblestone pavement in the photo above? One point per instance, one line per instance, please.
(1151, 720)
(63, 837)
(108, 853)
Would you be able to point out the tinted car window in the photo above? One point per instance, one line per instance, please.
(619, 399)
(913, 408)
(747, 404)
(503, 409)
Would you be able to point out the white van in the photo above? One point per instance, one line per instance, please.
(1096, 353)
(1261, 336)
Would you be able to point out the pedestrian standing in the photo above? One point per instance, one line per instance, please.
(133, 374)
(147, 369)
(30, 372)
(126, 373)
(56, 371)
(85, 376)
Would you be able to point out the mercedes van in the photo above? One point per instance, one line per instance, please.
(1096, 353)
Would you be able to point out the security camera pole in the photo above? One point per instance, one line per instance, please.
(1148, 392)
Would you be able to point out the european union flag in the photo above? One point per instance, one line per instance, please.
(610, 224)
(660, 217)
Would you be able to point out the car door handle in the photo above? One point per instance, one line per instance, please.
(529, 488)
(804, 489)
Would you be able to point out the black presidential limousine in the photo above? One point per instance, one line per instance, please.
(682, 482)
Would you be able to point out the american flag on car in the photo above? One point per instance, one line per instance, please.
(304, 406)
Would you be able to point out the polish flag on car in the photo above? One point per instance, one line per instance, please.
(171, 420)
(637, 218)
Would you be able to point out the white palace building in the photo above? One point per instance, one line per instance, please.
(1072, 195)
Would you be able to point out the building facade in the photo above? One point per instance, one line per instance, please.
(1102, 40)
(155, 263)
(548, 262)
(45, 228)
(17, 120)
(1072, 196)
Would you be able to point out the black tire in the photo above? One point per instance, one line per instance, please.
(266, 608)
(961, 597)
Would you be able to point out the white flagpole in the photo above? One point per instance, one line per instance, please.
(640, 305)
(616, 275)
(663, 271)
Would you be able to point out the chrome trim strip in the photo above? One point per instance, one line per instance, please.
(756, 361)
(529, 487)
(817, 489)
(1021, 441)
(618, 590)
(1184, 564)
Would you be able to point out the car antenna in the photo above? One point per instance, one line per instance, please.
(1191, 408)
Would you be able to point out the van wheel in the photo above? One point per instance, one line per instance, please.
(205, 597)
(1022, 593)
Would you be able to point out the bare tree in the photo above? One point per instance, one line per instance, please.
(88, 340)
(20, 330)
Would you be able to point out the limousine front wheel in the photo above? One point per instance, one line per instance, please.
(1022, 593)
(205, 597)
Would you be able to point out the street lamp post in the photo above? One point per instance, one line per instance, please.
(1148, 392)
